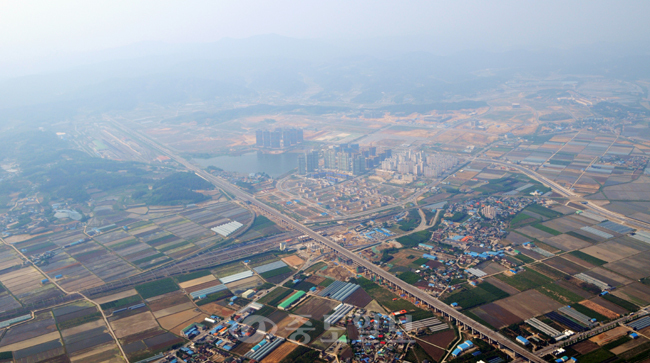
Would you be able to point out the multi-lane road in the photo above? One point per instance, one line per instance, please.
(407, 288)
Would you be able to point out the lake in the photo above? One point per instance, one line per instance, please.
(253, 162)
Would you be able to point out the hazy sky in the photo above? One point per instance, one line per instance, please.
(42, 28)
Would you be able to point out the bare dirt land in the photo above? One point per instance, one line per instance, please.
(197, 319)
(43, 324)
(585, 347)
(33, 341)
(170, 321)
(198, 281)
(629, 345)
(563, 225)
(636, 267)
(314, 279)
(216, 309)
(133, 324)
(565, 266)
(496, 315)
(290, 324)
(502, 285)
(359, 298)
(374, 306)
(173, 310)
(428, 343)
(315, 307)
(168, 301)
(566, 242)
(84, 327)
(609, 251)
(202, 286)
(520, 304)
(599, 309)
(293, 261)
(609, 335)
(119, 295)
(88, 355)
(609, 305)
(635, 292)
(245, 284)
(280, 352)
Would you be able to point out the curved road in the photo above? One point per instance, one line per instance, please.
(411, 290)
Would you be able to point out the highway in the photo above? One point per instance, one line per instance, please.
(411, 290)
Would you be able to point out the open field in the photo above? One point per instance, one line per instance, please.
(198, 281)
(40, 339)
(289, 325)
(167, 301)
(520, 305)
(102, 353)
(170, 321)
(315, 307)
(196, 319)
(133, 324)
(635, 267)
(566, 242)
(564, 265)
(113, 297)
(25, 284)
(636, 293)
(600, 309)
(42, 324)
(502, 285)
(496, 315)
(173, 310)
(280, 352)
(216, 309)
(293, 261)
(240, 286)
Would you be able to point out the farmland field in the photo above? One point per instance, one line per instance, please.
(133, 324)
(495, 315)
(280, 352)
(520, 304)
(527, 279)
(315, 307)
(155, 288)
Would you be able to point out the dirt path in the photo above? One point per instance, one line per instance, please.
(108, 326)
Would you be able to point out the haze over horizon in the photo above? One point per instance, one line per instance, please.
(50, 36)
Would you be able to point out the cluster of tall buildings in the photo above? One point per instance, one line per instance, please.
(278, 139)
(346, 158)
(419, 163)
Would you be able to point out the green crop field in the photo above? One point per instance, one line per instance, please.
(409, 277)
(276, 272)
(127, 301)
(589, 258)
(542, 227)
(524, 280)
(543, 211)
(473, 296)
(275, 296)
(520, 218)
(155, 288)
(620, 302)
(559, 293)
(413, 239)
